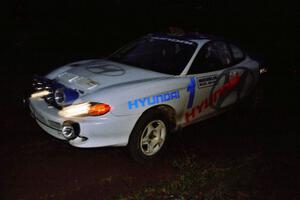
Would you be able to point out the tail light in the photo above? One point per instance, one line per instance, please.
(263, 69)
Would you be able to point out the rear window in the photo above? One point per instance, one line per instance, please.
(237, 53)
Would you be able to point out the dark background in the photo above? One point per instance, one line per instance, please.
(39, 36)
(47, 34)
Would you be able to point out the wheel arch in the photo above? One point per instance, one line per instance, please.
(167, 110)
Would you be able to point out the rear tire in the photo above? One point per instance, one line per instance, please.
(149, 136)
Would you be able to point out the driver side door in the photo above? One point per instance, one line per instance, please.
(209, 64)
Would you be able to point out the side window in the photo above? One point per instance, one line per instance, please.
(212, 56)
(237, 53)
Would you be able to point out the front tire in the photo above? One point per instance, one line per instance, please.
(149, 136)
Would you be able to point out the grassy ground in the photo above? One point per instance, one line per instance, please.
(257, 159)
(254, 176)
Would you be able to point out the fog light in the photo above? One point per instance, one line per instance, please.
(70, 130)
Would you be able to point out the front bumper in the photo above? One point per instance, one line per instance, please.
(106, 130)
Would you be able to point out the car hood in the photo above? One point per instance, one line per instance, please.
(88, 76)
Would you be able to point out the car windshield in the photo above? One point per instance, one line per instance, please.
(160, 54)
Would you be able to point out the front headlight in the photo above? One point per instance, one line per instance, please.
(85, 109)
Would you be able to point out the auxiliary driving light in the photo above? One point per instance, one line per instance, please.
(39, 94)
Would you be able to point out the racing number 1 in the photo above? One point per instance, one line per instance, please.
(191, 90)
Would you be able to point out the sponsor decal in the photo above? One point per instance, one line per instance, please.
(244, 86)
(206, 81)
(239, 80)
(153, 100)
(203, 81)
(212, 99)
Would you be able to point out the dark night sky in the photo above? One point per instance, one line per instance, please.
(58, 31)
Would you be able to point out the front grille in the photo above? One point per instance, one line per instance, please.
(50, 123)
(44, 120)
(54, 124)
(40, 118)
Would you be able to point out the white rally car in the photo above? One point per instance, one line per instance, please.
(142, 92)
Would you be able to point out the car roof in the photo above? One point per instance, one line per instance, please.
(188, 36)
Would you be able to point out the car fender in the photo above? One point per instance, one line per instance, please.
(136, 98)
